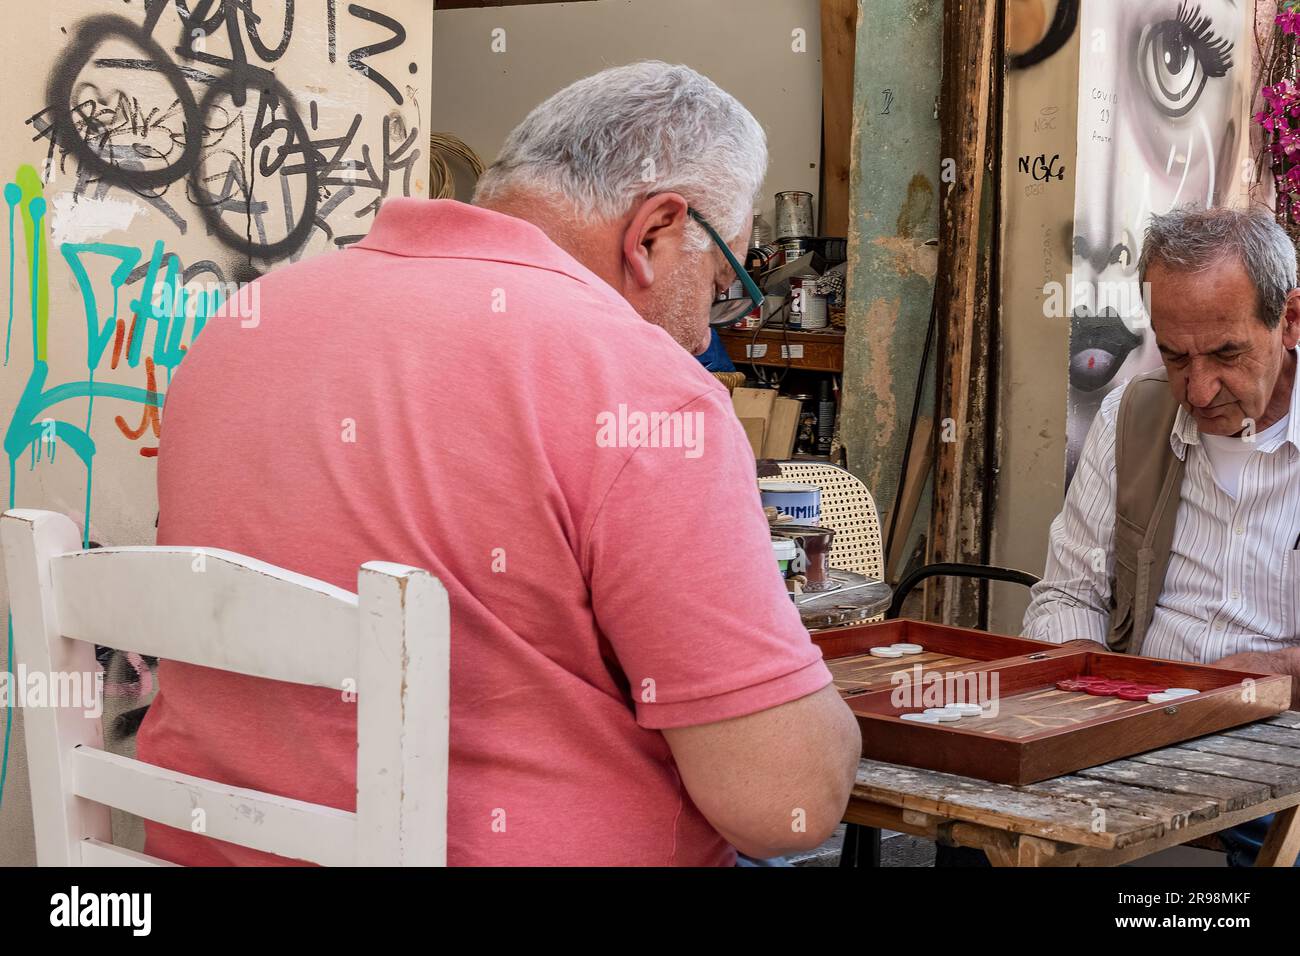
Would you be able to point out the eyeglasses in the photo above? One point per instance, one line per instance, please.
(727, 312)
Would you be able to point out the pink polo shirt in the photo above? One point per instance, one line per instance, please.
(457, 393)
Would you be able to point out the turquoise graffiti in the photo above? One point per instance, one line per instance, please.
(41, 418)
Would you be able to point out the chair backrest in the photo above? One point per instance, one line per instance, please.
(387, 647)
(847, 509)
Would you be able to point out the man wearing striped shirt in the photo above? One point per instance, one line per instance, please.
(1225, 312)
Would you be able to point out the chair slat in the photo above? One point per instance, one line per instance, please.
(403, 722)
(211, 608)
(60, 820)
(98, 853)
(263, 821)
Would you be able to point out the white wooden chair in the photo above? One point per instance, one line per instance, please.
(390, 643)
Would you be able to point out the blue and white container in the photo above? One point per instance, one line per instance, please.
(803, 503)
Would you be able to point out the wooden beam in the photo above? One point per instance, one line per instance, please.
(893, 220)
(918, 466)
(957, 519)
(839, 41)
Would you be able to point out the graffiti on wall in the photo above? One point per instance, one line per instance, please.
(1162, 93)
(1163, 89)
(167, 153)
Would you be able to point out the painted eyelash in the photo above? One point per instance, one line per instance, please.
(1214, 51)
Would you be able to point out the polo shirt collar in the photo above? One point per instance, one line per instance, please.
(446, 229)
(1185, 431)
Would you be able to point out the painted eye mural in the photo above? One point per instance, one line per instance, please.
(1177, 57)
(1158, 92)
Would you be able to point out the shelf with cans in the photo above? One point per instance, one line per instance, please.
(791, 350)
(801, 321)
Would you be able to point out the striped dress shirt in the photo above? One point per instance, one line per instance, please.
(1233, 580)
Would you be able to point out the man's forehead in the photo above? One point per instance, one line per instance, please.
(1194, 301)
(1226, 267)
(1201, 342)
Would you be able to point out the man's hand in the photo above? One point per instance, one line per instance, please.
(1283, 662)
(1253, 661)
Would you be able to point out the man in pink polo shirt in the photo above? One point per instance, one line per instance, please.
(499, 393)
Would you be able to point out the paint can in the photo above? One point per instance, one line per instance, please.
(794, 214)
(791, 250)
(803, 503)
(815, 315)
(802, 289)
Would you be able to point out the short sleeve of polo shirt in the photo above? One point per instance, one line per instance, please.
(684, 584)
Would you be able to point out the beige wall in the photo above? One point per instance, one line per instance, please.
(743, 45)
(1041, 109)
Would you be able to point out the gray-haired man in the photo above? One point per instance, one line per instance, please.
(630, 682)
(1179, 534)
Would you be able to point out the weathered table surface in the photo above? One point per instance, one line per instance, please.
(857, 600)
(1106, 815)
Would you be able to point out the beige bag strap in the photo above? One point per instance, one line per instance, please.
(1148, 484)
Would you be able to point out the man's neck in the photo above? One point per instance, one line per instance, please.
(557, 221)
(1279, 403)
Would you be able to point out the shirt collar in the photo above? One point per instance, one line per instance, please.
(1186, 433)
(446, 229)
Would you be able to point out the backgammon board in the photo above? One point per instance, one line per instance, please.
(1027, 728)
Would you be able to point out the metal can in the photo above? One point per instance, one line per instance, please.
(791, 250)
(802, 288)
(794, 214)
(815, 315)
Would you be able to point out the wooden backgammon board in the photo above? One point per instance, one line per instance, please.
(1027, 729)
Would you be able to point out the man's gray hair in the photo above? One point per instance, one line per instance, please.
(1188, 239)
(606, 142)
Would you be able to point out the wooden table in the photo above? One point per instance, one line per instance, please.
(1106, 815)
(857, 598)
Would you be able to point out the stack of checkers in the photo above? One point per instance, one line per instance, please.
(938, 715)
(897, 650)
(1125, 690)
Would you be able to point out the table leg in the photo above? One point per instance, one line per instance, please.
(861, 846)
(1282, 843)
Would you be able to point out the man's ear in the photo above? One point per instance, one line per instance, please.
(657, 226)
(1291, 319)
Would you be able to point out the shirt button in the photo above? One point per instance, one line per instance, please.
(1219, 626)
(1236, 595)
(1241, 531)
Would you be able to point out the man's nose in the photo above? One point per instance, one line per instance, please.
(1202, 387)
